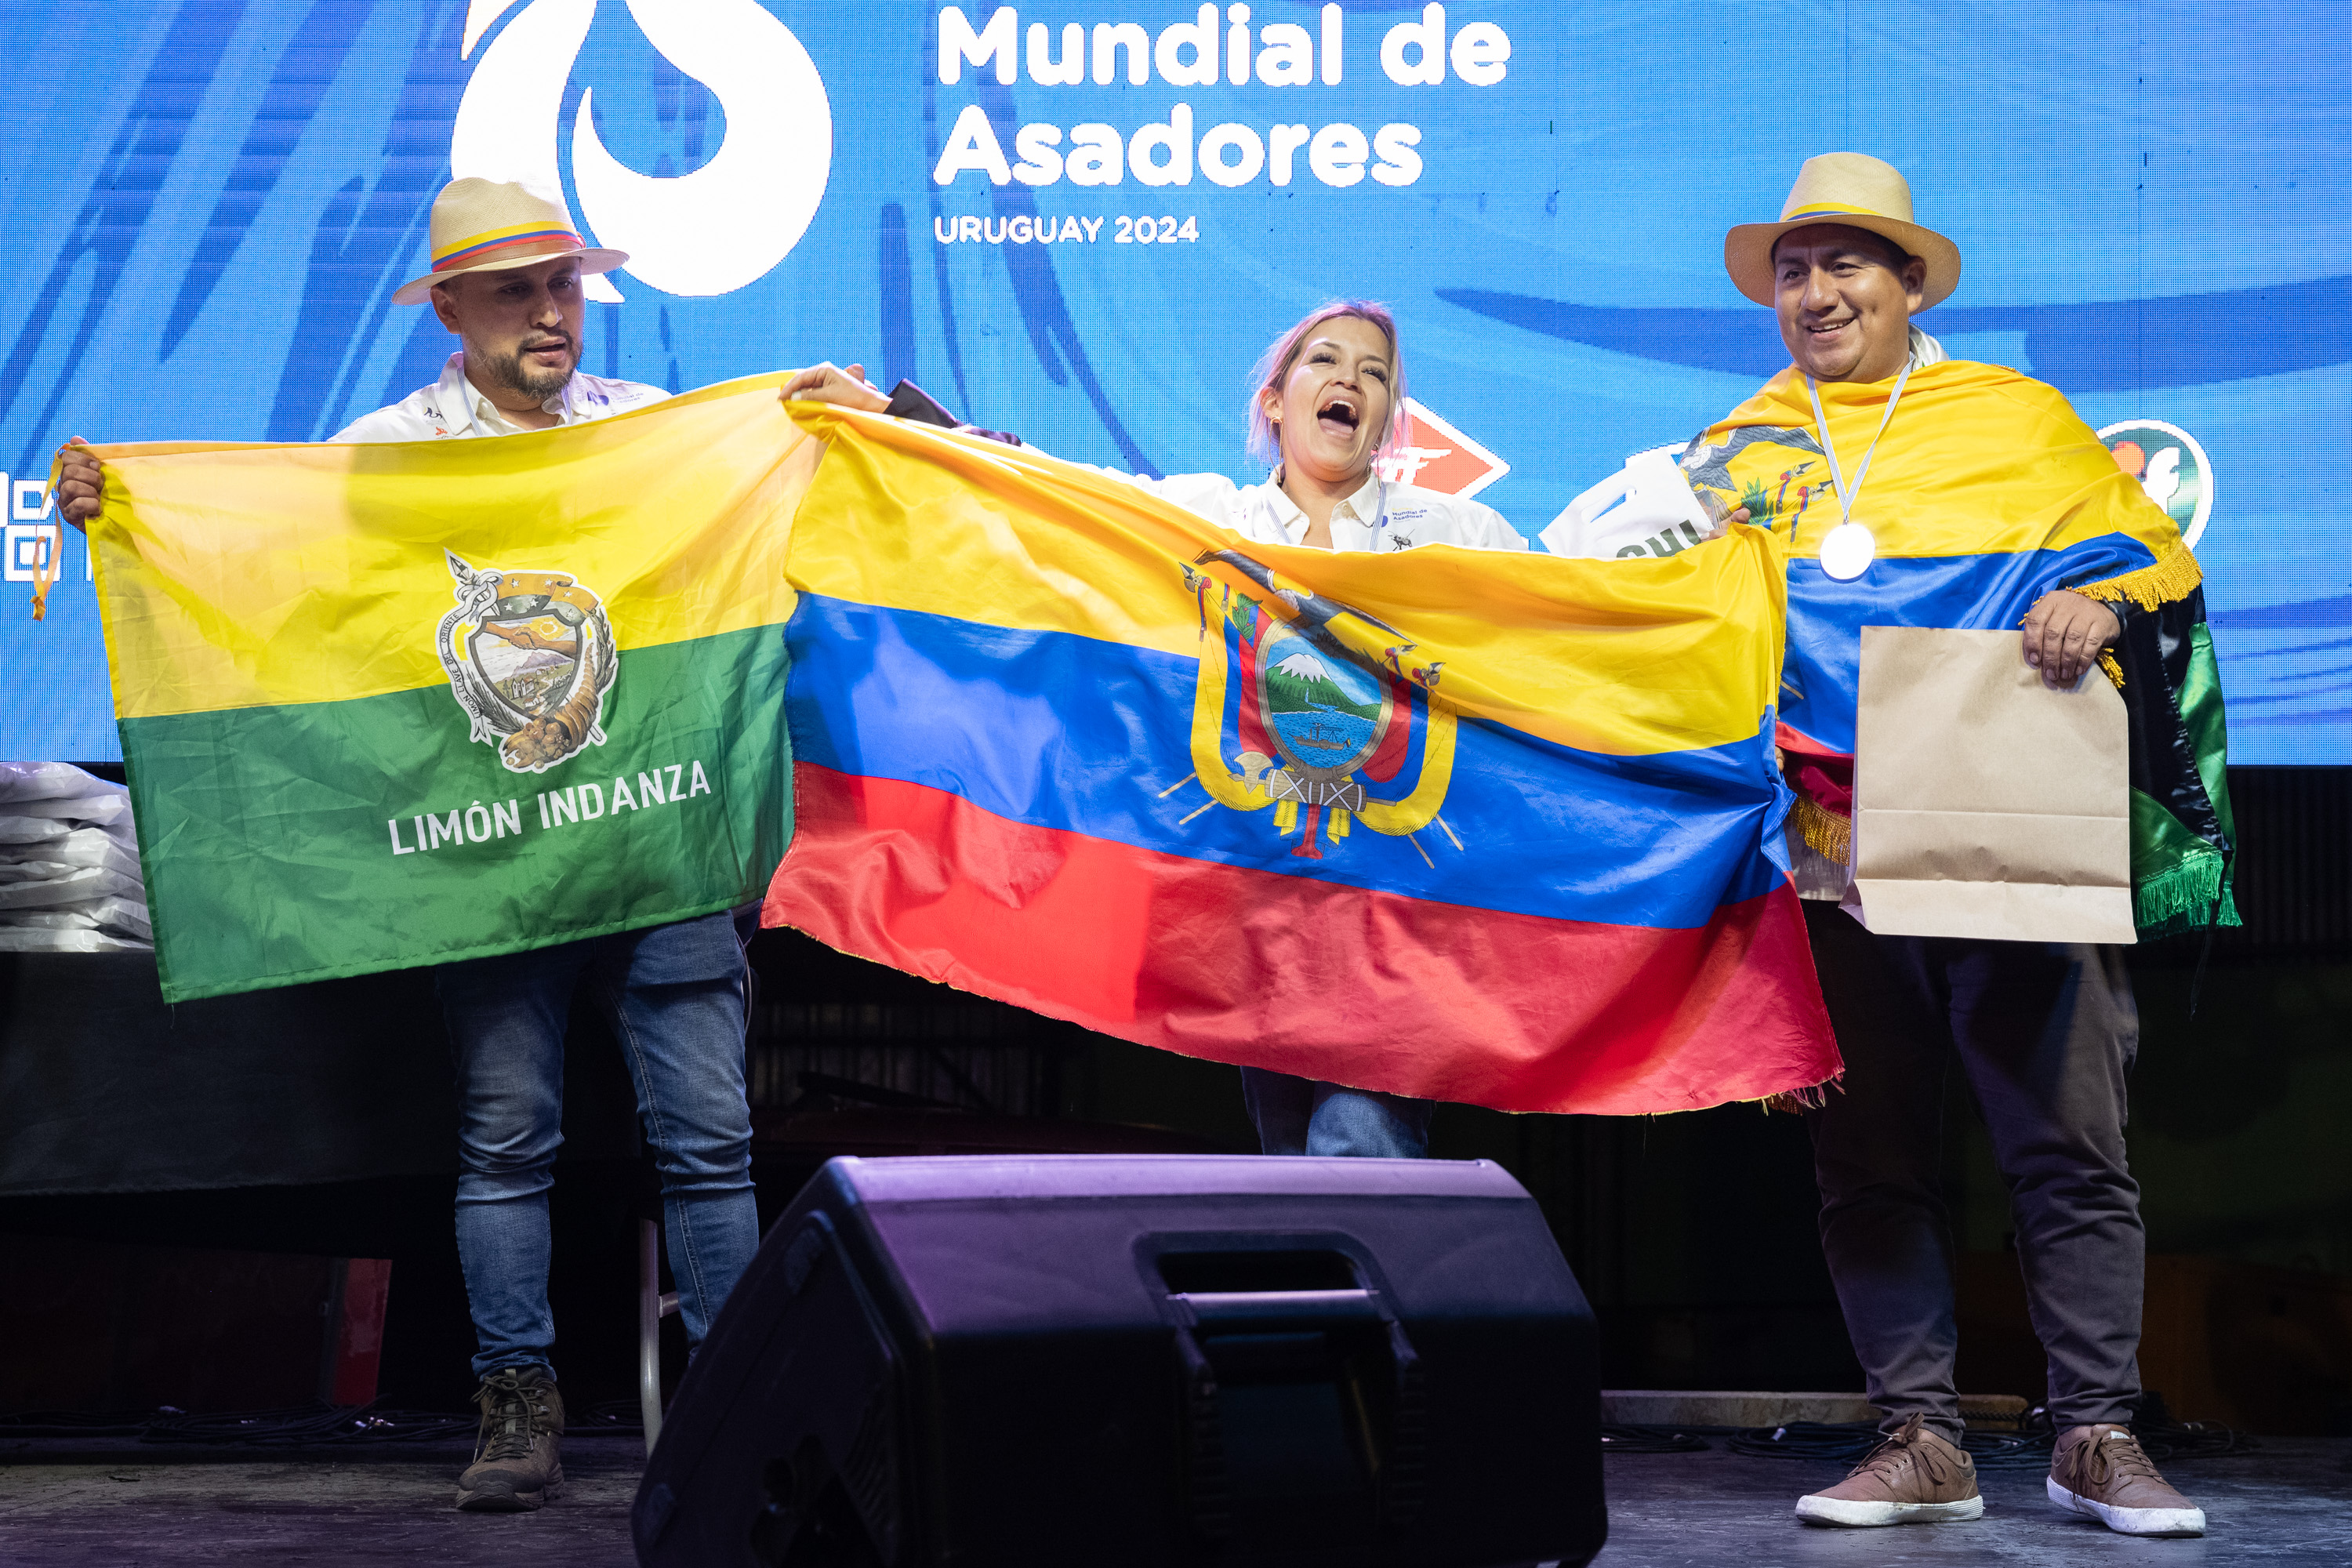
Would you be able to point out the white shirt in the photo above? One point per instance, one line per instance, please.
(452, 408)
(1381, 516)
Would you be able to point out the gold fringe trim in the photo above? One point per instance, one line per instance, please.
(2175, 574)
(1830, 835)
(2114, 671)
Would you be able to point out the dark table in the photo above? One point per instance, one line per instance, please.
(103, 1088)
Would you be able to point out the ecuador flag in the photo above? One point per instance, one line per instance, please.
(1463, 825)
(1984, 492)
(390, 705)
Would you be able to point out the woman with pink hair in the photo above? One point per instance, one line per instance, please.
(1327, 401)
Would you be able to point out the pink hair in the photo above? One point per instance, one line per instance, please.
(1265, 442)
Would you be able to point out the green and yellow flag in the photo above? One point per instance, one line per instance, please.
(390, 705)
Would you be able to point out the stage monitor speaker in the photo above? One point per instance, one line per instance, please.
(1127, 1361)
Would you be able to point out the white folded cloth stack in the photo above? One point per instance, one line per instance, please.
(69, 877)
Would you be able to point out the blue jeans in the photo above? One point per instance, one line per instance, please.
(675, 997)
(1300, 1116)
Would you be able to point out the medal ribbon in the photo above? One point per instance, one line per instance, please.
(1847, 498)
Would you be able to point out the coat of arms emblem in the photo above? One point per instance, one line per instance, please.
(529, 656)
(1322, 712)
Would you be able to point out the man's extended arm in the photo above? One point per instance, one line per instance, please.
(81, 480)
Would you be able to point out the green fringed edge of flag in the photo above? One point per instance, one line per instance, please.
(2183, 840)
(2183, 898)
(2182, 852)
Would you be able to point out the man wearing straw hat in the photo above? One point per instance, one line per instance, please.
(1916, 490)
(505, 278)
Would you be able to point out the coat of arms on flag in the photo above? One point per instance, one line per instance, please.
(1288, 714)
(529, 656)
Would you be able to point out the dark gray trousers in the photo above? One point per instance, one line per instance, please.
(2046, 1032)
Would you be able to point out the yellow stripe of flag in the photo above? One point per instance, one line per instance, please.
(1623, 657)
(243, 576)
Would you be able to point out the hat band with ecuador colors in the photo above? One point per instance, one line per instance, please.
(500, 242)
(487, 226)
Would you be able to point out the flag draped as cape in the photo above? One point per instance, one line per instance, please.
(1986, 492)
(1457, 823)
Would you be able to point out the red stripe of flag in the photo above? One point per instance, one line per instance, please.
(1235, 965)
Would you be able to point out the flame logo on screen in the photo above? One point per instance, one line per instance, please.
(709, 232)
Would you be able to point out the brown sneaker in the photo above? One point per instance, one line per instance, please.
(1912, 1477)
(516, 1463)
(2102, 1471)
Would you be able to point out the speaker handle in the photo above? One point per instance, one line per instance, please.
(1277, 1306)
(1403, 1484)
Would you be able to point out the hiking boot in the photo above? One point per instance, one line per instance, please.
(517, 1464)
(1912, 1477)
(2102, 1471)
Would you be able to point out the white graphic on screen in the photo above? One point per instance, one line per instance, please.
(2171, 468)
(713, 231)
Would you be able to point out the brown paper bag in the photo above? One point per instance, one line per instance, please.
(1987, 805)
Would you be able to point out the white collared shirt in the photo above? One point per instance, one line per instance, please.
(1381, 516)
(452, 408)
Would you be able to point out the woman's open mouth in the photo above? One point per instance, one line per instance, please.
(1339, 418)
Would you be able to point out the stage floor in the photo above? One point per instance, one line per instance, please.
(77, 1506)
(2289, 1502)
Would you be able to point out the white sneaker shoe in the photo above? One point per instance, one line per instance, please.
(2103, 1472)
(1913, 1477)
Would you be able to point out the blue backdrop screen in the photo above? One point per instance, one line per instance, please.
(1084, 225)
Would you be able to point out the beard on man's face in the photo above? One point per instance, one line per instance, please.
(531, 381)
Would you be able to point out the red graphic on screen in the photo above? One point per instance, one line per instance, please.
(1437, 456)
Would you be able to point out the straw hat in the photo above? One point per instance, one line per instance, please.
(486, 226)
(1851, 188)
